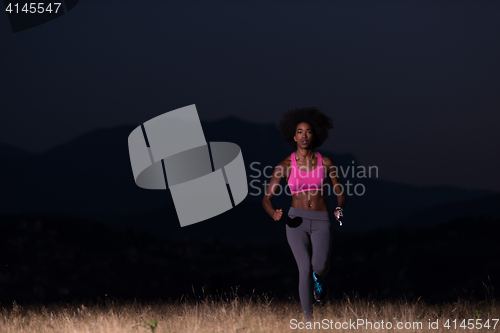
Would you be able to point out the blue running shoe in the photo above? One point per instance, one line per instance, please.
(320, 287)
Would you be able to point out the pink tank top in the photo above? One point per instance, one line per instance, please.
(301, 181)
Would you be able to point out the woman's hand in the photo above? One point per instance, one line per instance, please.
(277, 214)
(338, 214)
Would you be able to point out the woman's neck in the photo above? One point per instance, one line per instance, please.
(302, 153)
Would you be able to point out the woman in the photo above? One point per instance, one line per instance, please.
(308, 228)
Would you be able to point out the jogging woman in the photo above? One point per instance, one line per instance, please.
(308, 228)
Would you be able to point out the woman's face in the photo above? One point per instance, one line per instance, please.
(304, 135)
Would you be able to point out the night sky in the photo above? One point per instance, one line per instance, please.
(412, 87)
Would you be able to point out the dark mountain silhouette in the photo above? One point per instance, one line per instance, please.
(91, 177)
(488, 205)
(14, 153)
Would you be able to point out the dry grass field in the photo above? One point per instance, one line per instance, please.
(255, 313)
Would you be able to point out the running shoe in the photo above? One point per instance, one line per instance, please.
(320, 287)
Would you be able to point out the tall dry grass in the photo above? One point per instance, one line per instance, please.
(231, 313)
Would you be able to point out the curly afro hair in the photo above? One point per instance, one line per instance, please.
(319, 121)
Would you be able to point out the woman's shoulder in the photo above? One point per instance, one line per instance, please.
(286, 161)
(326, 161)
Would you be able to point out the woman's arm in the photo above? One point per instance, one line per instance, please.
(332, 171)
(274, 183)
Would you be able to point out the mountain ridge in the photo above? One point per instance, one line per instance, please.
(90, 176)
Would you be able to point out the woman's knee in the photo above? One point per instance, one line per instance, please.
(305, 270)
(322, 268)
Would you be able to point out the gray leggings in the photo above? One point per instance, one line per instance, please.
(313, 235)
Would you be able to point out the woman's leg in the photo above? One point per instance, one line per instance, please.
(300, 244)
(321, 239)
